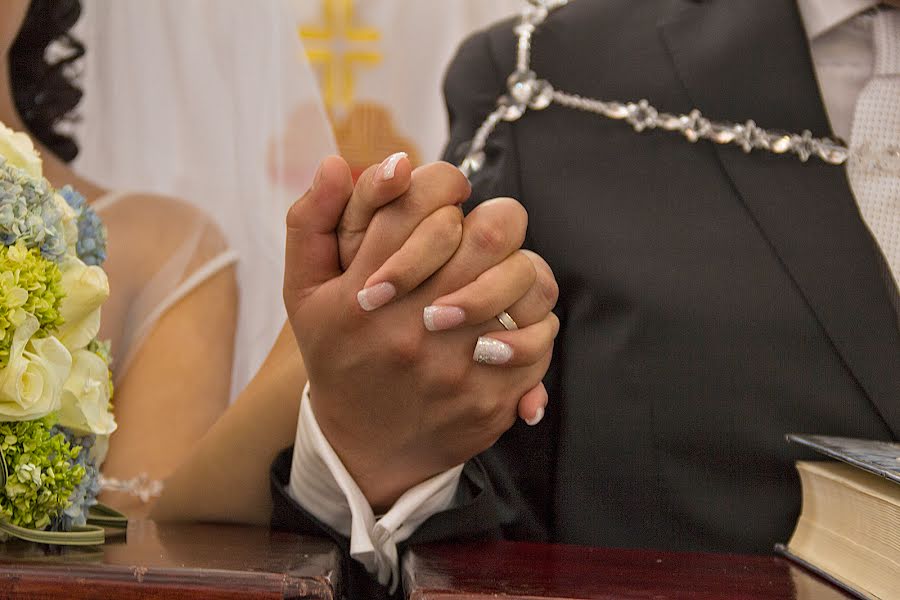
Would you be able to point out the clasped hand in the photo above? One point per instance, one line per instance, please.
(392, 296)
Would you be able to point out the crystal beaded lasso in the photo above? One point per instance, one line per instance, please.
(526, 92)
(141, 486)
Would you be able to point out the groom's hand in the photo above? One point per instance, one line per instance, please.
(397, 402)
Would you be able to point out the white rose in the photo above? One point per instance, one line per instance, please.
(85, 397)
(17, 149)
(87, 288)
(99, 450)
(32, 382)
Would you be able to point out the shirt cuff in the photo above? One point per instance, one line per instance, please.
(321, 484)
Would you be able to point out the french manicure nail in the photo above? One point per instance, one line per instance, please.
(376, 296)
(489, 351)
(389, 166)
(439, 318)
(538, 415)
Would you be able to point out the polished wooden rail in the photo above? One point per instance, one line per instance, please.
(525, 571)
(176, 562)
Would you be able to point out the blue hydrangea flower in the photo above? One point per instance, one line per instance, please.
(91, 247)
(84, 496)
(29, 213)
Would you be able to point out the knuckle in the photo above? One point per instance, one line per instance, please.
(405, 348)
(449, 226)
(489, 410)
(502, 415)
(346, 230)
(451, 375)
(450, 216)
(507, 214)
(490, 237)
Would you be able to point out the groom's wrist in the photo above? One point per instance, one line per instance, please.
(382, 474)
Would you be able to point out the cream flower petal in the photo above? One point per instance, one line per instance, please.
(87, 288)
(85, 398)
(18, 150)
(31, 384)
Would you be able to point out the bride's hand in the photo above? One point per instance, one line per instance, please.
(397, 402)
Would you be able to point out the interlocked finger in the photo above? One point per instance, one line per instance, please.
(429, 247)
(518, 348)
(491, 293)
(540, 298)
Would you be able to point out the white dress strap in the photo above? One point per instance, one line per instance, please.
(108, 199)
(192, 282)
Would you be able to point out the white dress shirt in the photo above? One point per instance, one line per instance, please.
(321, 484)
(843, 56)
(840, 39)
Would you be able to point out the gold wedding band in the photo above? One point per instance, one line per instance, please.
(507, 321)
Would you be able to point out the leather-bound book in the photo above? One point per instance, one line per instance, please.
(849, 525)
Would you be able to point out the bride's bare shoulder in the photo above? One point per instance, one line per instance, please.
(147, 230)
(160, 221)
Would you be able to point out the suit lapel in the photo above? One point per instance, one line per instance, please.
(742, 59)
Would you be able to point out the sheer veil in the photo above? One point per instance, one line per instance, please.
(211, 101)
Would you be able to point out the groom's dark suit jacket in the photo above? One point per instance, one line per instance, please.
(711, 300)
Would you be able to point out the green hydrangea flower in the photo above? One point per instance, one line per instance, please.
(29, 283)
(42, 473)
(103, 349)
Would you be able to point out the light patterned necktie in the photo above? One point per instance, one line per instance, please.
(876, 124)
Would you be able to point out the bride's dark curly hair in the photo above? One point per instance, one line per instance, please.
(42, 82)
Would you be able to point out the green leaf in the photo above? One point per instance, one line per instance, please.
(104, 516)
(89, 535)
(4, 471)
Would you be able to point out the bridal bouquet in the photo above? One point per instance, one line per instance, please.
(55, 385)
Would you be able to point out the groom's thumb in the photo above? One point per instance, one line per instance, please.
(311, 251)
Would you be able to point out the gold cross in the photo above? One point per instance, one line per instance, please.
(338, 63)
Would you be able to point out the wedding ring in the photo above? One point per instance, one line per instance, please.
(507, 321)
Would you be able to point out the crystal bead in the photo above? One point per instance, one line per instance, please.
(803, 145)
(472, 163)
(832, 153)
(720, 134)
(616, 110)
(521, 85)
(542, 95)
(694, 125)
(745, 135)
(759, 137)
(524, 29)
(641, 115)
(513, 110)
(670, 122)
(780, 144)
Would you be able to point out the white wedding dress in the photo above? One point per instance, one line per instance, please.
(214, 102)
